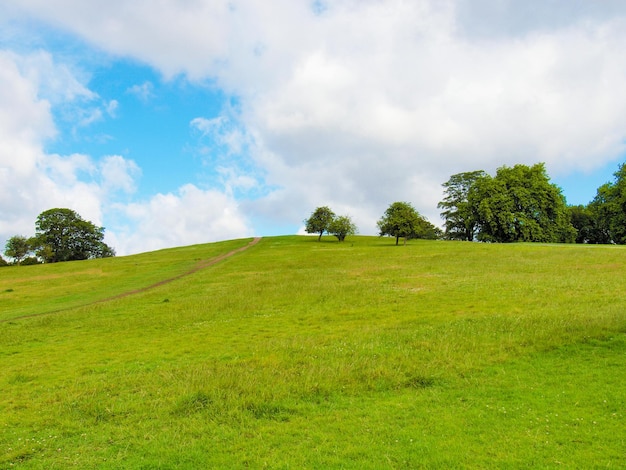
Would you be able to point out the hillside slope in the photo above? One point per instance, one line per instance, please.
(52, 288)
(306, 354)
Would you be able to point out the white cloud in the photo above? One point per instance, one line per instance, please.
(189, 216)
(24, 121)
(207, 126)
(390, 110)
(144, 92)
(112, 107)
(24, 118)
(366, 102)
(32, 181)
(55, 82)
(223, 134)
(119, 174)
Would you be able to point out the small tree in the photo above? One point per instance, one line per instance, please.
(18, 248)
(401, 220)
(320, 221)
(341, 227)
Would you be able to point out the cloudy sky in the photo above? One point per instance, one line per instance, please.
(175, 122)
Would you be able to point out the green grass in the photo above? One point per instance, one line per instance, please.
(28, 290)
(299, 354)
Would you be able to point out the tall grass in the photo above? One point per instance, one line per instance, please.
(306, 354)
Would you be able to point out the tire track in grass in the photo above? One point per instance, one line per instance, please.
(199, 266)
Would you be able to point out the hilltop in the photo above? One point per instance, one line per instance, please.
(306, 354)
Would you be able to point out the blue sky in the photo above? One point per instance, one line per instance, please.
(149, 124)
(179, 122)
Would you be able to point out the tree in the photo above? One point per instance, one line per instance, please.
(341, 227)
(402, 220)
(520, 204)
(319, 221)
(3, 262)
(460, 219)
(608, 209)
(585, 220)
(63, 235)
(17, 247)
(428, 230)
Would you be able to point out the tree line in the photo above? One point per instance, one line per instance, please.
(61, 235)
(517, 204)
(520, 204)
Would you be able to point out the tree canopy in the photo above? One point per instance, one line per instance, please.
(341, 227)
(586, 222)
(323, 219)
(401, 220)
(461, 219)
(18, 248)
(520, 204)
(517, 204)
(608, 210)
(320, 220)
(63, 235)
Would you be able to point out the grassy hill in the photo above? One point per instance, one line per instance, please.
(303, 354)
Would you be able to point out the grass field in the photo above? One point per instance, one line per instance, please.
(304, 354)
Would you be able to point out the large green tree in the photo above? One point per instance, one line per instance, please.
(460, 218)
(320, 221)
(63, 235)
(401, 220)
(18, 248)
(520, 204)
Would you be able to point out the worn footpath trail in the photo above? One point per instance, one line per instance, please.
(201, 265)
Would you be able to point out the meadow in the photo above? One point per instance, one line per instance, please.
(303, 354)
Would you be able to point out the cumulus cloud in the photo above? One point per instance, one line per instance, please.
(24, 121)
(119, 174)
(357, 104)
(222, 133)
(32, 180)
(226, 147)
(55, 82)
(190, 215)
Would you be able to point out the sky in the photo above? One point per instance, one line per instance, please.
(179, 122)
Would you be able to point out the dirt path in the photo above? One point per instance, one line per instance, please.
(201, 265)
(196, 268)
